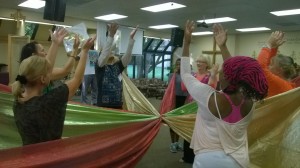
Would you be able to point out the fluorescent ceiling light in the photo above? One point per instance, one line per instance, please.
(286, 12)
(202, 33)
(253, 29)
(152, 37)
(111, 17)
(166, 26)
(217, 20)
(156, 38)
(45, 23)
(35, 4)
(163, 7)
(5, 18)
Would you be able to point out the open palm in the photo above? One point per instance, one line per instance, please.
(220, 34)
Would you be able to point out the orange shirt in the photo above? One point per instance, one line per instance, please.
(276, 84)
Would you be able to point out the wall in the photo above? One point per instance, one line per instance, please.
(240, 44)
(205, 43)
(248, 44)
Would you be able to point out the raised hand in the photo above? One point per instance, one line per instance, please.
(58, 35)
(276, 39)
(112, 29)
(189, 28)
(134, 31)
(88, 44)
(76, 42)
(220, 34)
(214, 70)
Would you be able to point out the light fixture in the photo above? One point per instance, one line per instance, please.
(286, 12)
(202, 33)
(111, 17)
(253, 29)
(3, 18)
(45, 23)
(35, 4)
(217, 20)
(165, 26)
(163, 7)
(152, 37)
(156, 38)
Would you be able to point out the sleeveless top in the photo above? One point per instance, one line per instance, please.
(235, 114)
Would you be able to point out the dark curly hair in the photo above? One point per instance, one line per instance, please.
(245, 75)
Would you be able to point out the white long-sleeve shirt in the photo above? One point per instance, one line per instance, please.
(103, 58)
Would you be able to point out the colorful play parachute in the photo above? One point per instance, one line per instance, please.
(99, 137)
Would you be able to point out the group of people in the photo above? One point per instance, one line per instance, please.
(40, 106)
(220, 134)
(227, 97)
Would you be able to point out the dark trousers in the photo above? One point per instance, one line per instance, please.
(180, 100)
(188, 153)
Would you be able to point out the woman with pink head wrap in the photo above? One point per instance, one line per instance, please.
(220, 134)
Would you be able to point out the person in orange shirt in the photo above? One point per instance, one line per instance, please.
(279, 69)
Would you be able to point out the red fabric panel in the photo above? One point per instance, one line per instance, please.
(119, 147)
(5, 88)
(168, 101)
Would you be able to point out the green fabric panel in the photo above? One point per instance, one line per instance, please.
(79, 120)
(190, 108)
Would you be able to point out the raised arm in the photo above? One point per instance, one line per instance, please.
(57, 38)
(75, 82)
(275, 40)
(189, 28)
(195, 88)
(103, 58)
(128, 55)
(59, 73)
(213, 78)
(220, 36)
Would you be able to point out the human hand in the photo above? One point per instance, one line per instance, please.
(214, 70)
(58, 35)
(88, 44)
(220, 34)
(112, 29)
(276, 39)
(76, 42)
(189, 28)
(134, 31)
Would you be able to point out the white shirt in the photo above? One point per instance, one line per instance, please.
(211, 133)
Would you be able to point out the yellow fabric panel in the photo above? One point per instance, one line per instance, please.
(134, 100)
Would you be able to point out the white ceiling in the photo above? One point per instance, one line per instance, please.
(249, 13)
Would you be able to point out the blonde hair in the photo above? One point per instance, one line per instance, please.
(207, 60)
(31, 69)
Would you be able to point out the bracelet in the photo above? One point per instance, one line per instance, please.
(77, 58)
